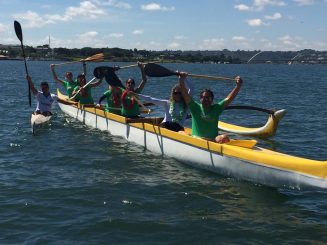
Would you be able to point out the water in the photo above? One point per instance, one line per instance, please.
(71, 184)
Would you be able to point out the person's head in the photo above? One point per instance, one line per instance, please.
(130, 84)
(69, 76)
(44, 87)
(81, 80)
(206, 97)
(176, 94)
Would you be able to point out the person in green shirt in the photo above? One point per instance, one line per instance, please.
(113, 96)
(205, 115)
(69, 83)
(82, 92)
(130, 105)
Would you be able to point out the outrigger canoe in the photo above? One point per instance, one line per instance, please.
(266, 131)
(241, 159)
(37, 120)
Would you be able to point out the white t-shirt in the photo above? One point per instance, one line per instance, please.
(44, 103)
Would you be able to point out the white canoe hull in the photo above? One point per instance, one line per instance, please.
(240, 163)
(37, 120)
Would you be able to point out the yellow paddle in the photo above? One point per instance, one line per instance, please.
(94, 58)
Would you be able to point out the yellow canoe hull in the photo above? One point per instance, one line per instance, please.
(240, 158)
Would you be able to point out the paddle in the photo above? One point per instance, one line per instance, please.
(155, 70)
(248, 107)
(19, 34)
(109, 74)
(94, 58)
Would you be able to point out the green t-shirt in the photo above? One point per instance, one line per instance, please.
(205, 122)
(69, 86)
(86, 98)
(130, 109)
(112, 105)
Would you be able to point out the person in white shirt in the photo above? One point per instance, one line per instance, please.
(44, 98)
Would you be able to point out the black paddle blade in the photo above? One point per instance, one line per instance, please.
(18, 30)
(155, 70)
(109, 74)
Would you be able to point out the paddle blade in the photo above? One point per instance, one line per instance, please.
(155, 70)
(109, 74)
(18, 30)
(96, 57)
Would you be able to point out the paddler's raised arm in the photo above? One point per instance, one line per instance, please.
(230, 97)
(54, 74)
(32, 87)
(184, 90)
(144, 78)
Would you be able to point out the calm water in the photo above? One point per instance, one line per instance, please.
(71, 184)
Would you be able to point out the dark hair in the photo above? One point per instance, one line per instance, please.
(45, 84)
(132, 80)
(81, 75)
(206, 91)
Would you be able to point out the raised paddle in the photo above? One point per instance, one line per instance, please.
(109, 74)
(155, 70)
(19, 34)
(94, 58)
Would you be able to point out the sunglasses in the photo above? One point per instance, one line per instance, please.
(177, 93)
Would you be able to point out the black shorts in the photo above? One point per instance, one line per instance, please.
(172, 126)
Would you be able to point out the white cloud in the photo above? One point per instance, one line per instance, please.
(3, 28)
(116, 35)
(275, 16)
(259, 5)
(86, 9)
(242, 7)
(179, 37)
(138, 32)
(113, 3)
(213, 43)
(30, 19)
(173, 45)
(156, 7)
(255, 22)
(88, 35)
(239, 38)
(304, 2)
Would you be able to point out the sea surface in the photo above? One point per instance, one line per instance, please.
(71, 184)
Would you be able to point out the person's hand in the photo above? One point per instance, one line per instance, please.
(183, 74)
(239, 80)
(140, 64)
(29, 79)
(116, 68)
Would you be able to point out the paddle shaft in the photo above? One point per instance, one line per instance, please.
(81, 88)
(211, 77)
(134, 65)
(69, 62)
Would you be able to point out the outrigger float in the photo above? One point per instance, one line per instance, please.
(239, 158)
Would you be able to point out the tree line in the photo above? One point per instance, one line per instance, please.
(203, 56)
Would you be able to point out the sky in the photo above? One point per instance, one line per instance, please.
(266, 25)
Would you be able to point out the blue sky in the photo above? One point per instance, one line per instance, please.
(169, 24)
